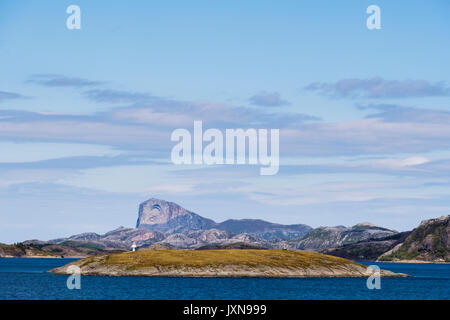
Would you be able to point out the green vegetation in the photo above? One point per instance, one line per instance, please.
(67, 248)
(369, 250)
(78, 244)
(428, 242)
(22, 250)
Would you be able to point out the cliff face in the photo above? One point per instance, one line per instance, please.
(333, 237)
(163, 216)
(430, 241)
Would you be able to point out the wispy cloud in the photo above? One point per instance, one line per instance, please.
(116, 96)
(392, 130)
(330, 192)
(415, 166)
(268, 99)
(58, 80)
(396, 113)
(171, 113)
(367, 136)
(146, 108)
(147, 121)
(402, 163)
(378, 87)
(25, 176)
(4, 96)
(81, 162)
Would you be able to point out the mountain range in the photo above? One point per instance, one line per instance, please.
(168, 217)
(163, 224)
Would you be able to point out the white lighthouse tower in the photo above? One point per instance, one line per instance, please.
(133, 246)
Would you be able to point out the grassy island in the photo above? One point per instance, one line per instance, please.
(220, 263)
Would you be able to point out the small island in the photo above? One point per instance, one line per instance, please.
(220, 263)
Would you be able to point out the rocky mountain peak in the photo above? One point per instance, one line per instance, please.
(441, 219)
(365, 225)
(164, 216)
(156, 211)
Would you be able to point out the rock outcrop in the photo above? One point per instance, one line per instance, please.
(168, 217)
(430, 241)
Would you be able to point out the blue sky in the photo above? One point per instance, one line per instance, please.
(86, 115)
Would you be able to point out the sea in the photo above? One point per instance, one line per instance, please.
(28, 279)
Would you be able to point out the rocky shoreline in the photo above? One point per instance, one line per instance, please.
(417, 261)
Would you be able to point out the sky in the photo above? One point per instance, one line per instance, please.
(86, 115)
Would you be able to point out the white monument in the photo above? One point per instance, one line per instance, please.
(133, 246)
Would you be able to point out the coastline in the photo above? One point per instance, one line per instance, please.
(416, 261)
(44, 257)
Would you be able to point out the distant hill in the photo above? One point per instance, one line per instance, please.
(35, 248)
(332, 237)
(430, 241)
(120, 238)
(236, 245)
(266, 230)
(367, 250)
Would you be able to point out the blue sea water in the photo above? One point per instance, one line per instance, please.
(26, 279)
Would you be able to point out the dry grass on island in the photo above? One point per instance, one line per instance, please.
(220, 263)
